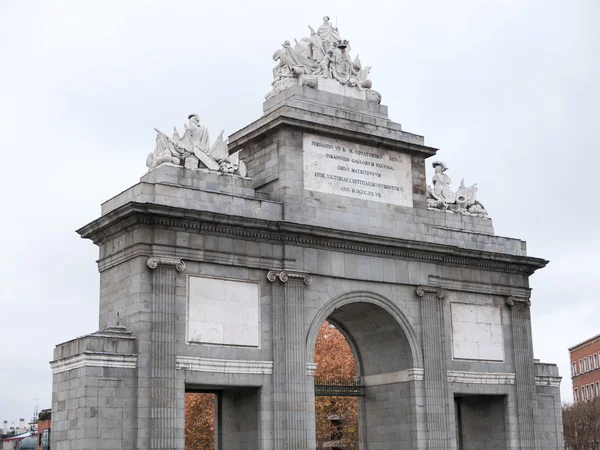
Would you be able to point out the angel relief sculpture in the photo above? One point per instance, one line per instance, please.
(441, 196)
(193, 151)
(321, 56)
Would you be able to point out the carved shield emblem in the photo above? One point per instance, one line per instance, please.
(341, 67)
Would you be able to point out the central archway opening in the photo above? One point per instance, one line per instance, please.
(365, 346)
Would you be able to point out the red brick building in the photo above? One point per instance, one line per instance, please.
(585, 369)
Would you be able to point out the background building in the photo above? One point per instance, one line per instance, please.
(585, 369)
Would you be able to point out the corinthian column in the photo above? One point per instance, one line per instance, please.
(164, 433)
(524, 369)
(434, 359)
(290, 413)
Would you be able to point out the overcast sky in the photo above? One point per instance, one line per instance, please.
(508, 90)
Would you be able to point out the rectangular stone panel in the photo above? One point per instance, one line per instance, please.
(477, 332)
(359, 171)
(223, 311)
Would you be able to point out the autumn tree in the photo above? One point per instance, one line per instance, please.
(199, 421)
(334, 359)
(581, 425)
(336, 417)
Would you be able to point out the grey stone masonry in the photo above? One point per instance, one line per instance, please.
(289, 351)
(434, 363)
(524, 369)
(93, 391)
(163, 381)
(219, 283)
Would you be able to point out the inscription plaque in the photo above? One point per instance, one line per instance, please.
(359, 171)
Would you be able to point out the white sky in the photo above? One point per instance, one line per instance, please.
(508, 90)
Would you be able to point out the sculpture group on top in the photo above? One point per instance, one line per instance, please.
(441, 196)
(317, 59)
(193, 151)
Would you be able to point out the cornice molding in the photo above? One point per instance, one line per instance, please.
(223, 365)
(155, 261)
(431, 291)
(479, 288)
(513, 300)
(289, 275)
(289, 116)
(94, 359)
(547, 381)
(311, 369)
(134, 215)
(400, 376)
(459, 376)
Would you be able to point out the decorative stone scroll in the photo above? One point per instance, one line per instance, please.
(322, 61)
(194, 152)
(441, 196)
(431, 290)
(154, 261)
(525, 301)
(285, 275)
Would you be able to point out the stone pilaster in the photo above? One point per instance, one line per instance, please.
(434, 360)
(524, 369)
(164, 433)
(291, 413)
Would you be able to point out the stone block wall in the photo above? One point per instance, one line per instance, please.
(482, 422)
(94, 392)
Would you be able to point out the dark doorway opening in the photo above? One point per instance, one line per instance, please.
(480, 422)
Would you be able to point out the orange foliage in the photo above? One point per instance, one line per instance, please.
(334, 358)
(199, 421)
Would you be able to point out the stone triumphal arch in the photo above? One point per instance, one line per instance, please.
(218, 268)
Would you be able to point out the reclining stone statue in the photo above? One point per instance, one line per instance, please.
(193, 151)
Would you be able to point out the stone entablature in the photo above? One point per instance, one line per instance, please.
(136, 214)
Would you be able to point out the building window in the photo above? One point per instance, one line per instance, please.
(581, 366)
(575, 396)
(590, 366)
(595, 361)
(573, 369)
(597, 388)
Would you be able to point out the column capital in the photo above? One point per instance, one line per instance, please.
(432, 291)
(525, 301)
(154, 261)
(285, 275)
